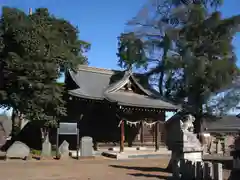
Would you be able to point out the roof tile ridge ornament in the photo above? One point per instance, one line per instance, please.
(131, 74)
(119, 84)
(129, 70)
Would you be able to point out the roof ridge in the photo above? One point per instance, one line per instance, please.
(95, 69)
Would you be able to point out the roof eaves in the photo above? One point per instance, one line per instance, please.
(169, 108)
(85, 96)
(73, 77)
(147, 106)
(222, 130)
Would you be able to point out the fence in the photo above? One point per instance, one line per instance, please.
(199, 170)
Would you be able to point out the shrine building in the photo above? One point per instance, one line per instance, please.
(116, 106)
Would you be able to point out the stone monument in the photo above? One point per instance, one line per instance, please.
(184, 144)
(86, 147)
(46, 148)
(18, 150)
(64, 149)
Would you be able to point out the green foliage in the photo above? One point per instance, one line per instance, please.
(34, 50)
(195, 57)
(131, 51)
(36, 152)
(206, 59)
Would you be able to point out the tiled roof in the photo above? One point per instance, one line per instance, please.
(98, 83)
(223, 123)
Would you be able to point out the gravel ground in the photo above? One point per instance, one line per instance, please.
(97, 169)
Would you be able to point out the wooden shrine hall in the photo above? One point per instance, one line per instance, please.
(116, 106)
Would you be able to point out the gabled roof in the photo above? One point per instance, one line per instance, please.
(228, 123)
(102, 84)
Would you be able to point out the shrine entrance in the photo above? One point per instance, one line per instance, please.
(141, 127)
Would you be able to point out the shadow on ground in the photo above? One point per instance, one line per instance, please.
(148, 175)
(148, 169)
(144, 169)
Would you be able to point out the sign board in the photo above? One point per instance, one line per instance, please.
(67, 129)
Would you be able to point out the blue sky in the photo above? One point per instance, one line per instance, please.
(101, 21)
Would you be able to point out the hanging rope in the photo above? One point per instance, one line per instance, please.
(150, 124)
(134, 124)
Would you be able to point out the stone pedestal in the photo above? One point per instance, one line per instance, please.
(194, 156)
(236, 160)
(176, 157)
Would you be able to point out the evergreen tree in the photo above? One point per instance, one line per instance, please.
(195, 56)
(34, 50)
(131, 51)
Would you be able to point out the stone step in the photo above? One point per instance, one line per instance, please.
(133, 155)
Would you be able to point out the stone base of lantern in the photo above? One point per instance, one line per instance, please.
(194, 156)
(236, 159)
(235, 173)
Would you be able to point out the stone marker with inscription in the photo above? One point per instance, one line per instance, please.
(86, 147)
(64, 149)
(18, 150)
(46, 148)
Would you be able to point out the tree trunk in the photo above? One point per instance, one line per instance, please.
(14, 126)
(20, 120)
(195, 101)
(165, 50)
(45, 133)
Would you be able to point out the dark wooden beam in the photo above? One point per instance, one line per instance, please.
(157, 136)
(157, 130)
(142, 133)
(122, 136)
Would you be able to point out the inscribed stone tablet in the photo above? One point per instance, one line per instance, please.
(46, 148)
(86, 146)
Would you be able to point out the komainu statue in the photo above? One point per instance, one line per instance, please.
(190, 140)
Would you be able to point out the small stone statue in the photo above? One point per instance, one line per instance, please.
(190, 140)
(186, 146)
(188, 124)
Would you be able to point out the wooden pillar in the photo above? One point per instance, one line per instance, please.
(157, 131)
(157, 136)
(57, 143)
(122, 137)
(142, 133)
(162, 130)
(78, 142)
